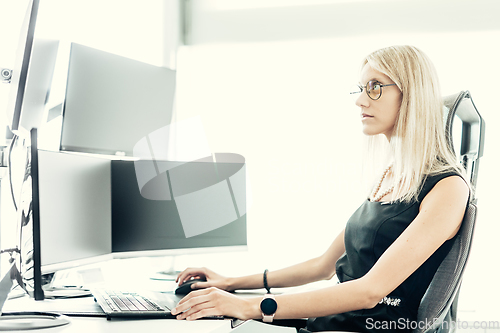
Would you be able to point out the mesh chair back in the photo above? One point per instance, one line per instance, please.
(438, 308)
(438, 301)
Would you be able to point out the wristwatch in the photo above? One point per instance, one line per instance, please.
(268, 306)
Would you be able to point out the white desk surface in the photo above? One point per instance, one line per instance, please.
(121, 275)
(124, 279)
(101, 324)
(97, 325)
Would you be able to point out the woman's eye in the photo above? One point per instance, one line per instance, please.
(372, 85)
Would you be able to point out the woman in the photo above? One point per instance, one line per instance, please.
(392, 245)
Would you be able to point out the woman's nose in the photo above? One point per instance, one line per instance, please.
(362, 100)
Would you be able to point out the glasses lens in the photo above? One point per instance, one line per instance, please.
(374, 89)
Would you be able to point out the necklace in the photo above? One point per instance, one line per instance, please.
(377, 196)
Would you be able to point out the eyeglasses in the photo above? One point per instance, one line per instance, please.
(373, 89)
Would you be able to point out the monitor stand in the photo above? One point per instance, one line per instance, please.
(168, 273)
(24, 320)
(14, 321)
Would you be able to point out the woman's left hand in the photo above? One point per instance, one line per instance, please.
(215, 302)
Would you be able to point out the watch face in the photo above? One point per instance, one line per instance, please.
(268, 306)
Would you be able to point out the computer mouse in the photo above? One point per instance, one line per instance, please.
(185, 288)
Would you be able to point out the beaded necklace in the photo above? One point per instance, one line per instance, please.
(377, 196)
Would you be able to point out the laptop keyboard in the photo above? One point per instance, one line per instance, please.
(132, 304)
(119, 301)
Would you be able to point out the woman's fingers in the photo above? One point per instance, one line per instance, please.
(192, 299)
(190, 273)
(188, 297)
(183, 275)
(213, 302)
(212, 279)
(199, 310)
(203, 313)
(201, 285)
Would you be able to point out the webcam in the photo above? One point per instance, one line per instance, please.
(5, 75)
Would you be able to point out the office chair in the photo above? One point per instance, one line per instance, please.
(438, 307)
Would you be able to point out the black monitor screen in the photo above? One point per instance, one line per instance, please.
(198, 204)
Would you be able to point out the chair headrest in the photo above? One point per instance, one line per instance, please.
(461, 106)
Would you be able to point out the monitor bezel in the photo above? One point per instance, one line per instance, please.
(30, 212)
(16, 100)
(35, 200)
(179, 252)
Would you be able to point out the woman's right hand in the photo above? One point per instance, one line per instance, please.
(212, 279)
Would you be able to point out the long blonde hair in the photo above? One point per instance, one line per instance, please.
(418, 145)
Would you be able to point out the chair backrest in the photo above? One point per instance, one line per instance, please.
(438, 308)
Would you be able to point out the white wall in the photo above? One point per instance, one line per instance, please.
(272, 83)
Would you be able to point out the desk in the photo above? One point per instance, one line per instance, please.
(101, 324)
(127, 282)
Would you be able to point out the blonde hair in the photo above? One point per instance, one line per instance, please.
(418, 145)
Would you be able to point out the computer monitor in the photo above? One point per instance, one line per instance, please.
(75, 210)
(64, 212)
(29, 222)
(21, 67)
(93, 209)
(110, 102)
(31, 77)
(29, 259)
(30, 111)
(184, 207)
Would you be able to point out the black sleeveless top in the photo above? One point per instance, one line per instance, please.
(369, 232)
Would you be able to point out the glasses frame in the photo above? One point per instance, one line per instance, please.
(363, 88)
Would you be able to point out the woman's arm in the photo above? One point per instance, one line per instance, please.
(319, 268)
(439, 219)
